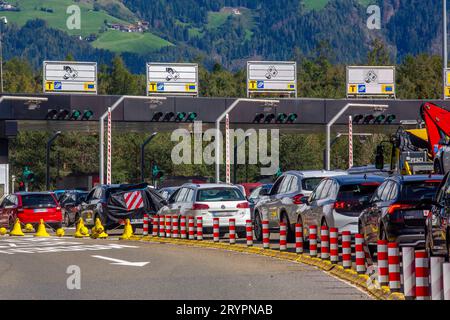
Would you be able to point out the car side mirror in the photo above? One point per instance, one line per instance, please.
(305, 200)
(379, 158)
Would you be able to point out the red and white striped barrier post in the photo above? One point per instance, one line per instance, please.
(265, 234)
(145, 225)
(183, 227)
(422, 273)
(168, 226)
(346, 249)
(283, 229)
(360, 256)
(313, 241)
(249, 232)
(446, 272)
(199, 228)
(324, 243)
(437, 280)
(216, 230)
(232, 230)
(298, 238)
(409, 273)
(175, 227)
(394, 267)
(155, 225)
(161, 227)
(191, 226)
(334, 245)
(382, 260)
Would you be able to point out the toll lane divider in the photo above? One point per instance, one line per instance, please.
(349, 275)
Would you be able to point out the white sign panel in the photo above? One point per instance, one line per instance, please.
(172, 78)
(70, 77)
(270, 76)
(371, 81)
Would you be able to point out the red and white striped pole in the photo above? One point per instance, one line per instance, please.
(382, 259)
(283, 229)
(346, 249)
(360, 256)
(313, 241)
(422, 273)
(409, 273)
(175, 227)
(183, 227)
(298, 238)
(324, 243)
(168, 226)
(145, 225)
(334, 245)
(191, 226)
(446, 272)
(249, 232)
(350, 142)
(161, 227)
(109, 165)
(155, 223)
(199, 228)
(232, 231)
(216, 230)
(265, 234)
(394, 267)
(437, 280)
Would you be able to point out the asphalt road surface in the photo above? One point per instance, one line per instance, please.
(45, 268)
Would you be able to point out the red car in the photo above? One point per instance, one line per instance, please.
(31, 207)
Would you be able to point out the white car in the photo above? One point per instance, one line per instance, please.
(210, 201)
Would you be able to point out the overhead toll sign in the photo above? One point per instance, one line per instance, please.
(70, 77)
(265, 77)
(370, 81)
(447, 84)
(172, 79)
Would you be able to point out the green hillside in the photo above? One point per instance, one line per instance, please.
(118, 41)
(320, 4)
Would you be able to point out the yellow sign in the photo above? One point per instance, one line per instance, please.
(387, 88)
(353, 88)
(152, 87)
(190, 87)
(291, 86)
(448, 78)
(252, 85)
(447, 91)
(89, 86)
(50, 86)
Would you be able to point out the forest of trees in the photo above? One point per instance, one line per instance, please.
(417, 76)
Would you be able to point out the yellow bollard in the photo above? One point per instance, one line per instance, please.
(98, 232)
(29, 227)
(127, 231)
(41, 231)
(3, 231)
(17, 229)
(60, 232)
(81, 230)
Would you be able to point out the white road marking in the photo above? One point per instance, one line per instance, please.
(30, 244)
(122, 262)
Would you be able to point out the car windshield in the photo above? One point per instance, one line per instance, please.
(38, 201)
(219, 194)
(419, 190)
(356, 192)
(309, 184)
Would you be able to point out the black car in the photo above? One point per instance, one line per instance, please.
(437, 223)
(398, 210)
(70, 202)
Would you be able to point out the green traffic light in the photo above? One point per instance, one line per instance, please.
(87, 115)
(379, 119)
(180, 116)
(390, 118)
(292, 118)
(192, 117)
(281, 117)
(75, 115)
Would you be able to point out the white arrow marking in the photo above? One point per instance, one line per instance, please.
(122, 262)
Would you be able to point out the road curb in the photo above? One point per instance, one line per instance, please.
(349, 275)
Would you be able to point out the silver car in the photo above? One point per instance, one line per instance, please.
(283, 202)
(210, 201)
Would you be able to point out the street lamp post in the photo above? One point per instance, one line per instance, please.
(336, 118)
(220, 118)
(4, 20)
(143, 154)
(102, 129)
(235, 157)
(47, 158)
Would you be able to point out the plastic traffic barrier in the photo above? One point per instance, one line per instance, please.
(183, 227)
(249, 232)
(199, 228)
(155, 225)
(283, 245)
(168, 220)
(382, 259)
(265, 234)
(334, 245)
(232, 230)
(175, 227)
(298, 238)
(394, 267)
(216, 230)
(346, 249)
(324, 243)
(437, 278)
(162, 230)
(145, 225)
(313, 241)
(409, 273)
(422, 273)
(191, 226)
(446, 276)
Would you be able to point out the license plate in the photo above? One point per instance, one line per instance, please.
(136, 221)
(222, 214)
(40, 210)
(410, 215)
